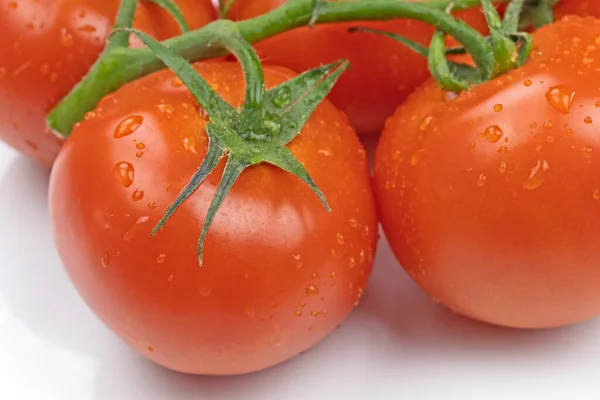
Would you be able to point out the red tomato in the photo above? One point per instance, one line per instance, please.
(279, 272)
(383, 71)
(577, 7)
(47, 46)
(491, 201)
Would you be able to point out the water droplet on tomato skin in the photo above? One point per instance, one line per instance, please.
(340, 238)
(134, 229)
(314, 313)
(498, 107)
(502, 168)
(137, 195)
(493, 133)
(124, 173)
(105, 260)
(588, 120)
(587, 151)
(189, 144)
(312, 291)
(425, 123)
(161, 258)
(128, 126)
(482, 180)
(140, 146)
(537, 176)
(527, 82)
(416, 158)
(171, 277)
(560, 98)
(297, 313)
(66, 39)
(596, 194)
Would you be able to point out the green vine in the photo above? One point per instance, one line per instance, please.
(119, 65)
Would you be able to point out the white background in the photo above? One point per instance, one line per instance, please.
(398, 344)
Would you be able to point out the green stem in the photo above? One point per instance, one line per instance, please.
(125, 17)
(512, 16)
(118, 66)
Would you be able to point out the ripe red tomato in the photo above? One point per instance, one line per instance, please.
(279, 272)
(491, 201)
(577, 7)
(383, 71)
(47, 46)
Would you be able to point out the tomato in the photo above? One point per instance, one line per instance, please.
(47, 46)
(577, 7)
(279, 272)
(491, 200)
(383, 71)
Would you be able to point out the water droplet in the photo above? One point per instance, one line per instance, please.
(340, 238)
(498, 107)
(314, 313)
(361, 256)
(66, 39)
(176, 82)
(312, 291)
(137, 195)
(588, 120)
(282, 97)
(353, 223)
(140, 146)
(189, 144)
(273, 127)
(128, 126)
(587, 151)
(596, 194)
(333, 274)
(87, 28)
(502, 167)
(416, 158)
(125, 173)
(105, 260)
(597, 104)
(152, 205)
(352, 262)
(493, 133)
(135, 228)
(150, 349)
(560, 98)
(425, 123)
(527, 82)
(161, 258)
(139, 154)
(537, 176)
(297, 313)
(249, 309)
(503, 150)
(482, 180)
(550, 139)
(548, 124)
(171, 277)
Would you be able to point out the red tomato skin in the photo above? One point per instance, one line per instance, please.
(383, 71)
(47, 46)
(586, 8)
(502, 226)
(279, 272)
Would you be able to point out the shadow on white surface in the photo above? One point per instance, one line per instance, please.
(396, 343)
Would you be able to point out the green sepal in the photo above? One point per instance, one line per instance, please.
(256, 133)
(172, 8)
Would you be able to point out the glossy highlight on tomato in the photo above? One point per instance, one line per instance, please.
(47, 46)
(491, 199)
(383, 73)
(279, 272)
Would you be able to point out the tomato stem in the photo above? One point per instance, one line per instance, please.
(119, 65)
(506, 56)
(125, 17)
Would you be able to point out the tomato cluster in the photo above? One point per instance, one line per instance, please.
(488, 197)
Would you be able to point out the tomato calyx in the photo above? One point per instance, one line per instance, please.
(506, 48)
(537, 13)
(257, 132)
